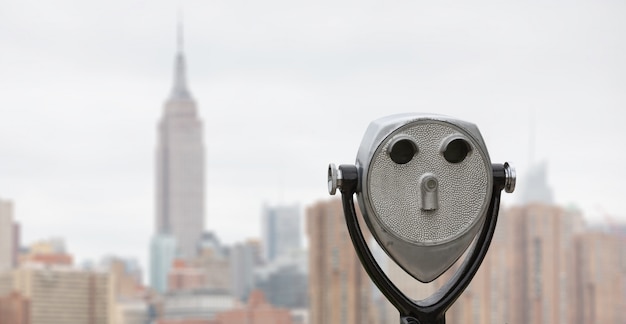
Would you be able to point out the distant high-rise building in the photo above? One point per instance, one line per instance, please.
(180, 165)
(209, 270)
(7, 249)
(62, 295)
(162, 254)
(339, 288)
(600, 277)
(17, 236)
(541, 262)
(214, 260)
(281, 231)
(126, 278)
(127, 292)
(243, 261)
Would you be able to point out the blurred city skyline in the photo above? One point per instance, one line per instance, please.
(283, 89)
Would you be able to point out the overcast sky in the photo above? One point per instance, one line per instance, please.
(284, 88)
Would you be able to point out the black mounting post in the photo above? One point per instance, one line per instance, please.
(432, 309)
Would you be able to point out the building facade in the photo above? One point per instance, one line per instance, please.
(61, 295)
(7, 242)
(195, 305)
(184, 276)
(17, 242)
(215, 263)
(162, 254)
(14, 309)
(125, 277)
(541, 262)
(243, 261)
(340, 291)
(600, 277)
(129, 311)
(281, 231)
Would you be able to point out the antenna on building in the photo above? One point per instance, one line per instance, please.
(179, 90)
(180, 29)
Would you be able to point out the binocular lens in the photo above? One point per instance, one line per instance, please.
(457, 150)
(402, 151)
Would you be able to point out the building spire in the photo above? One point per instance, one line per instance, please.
(179, 90)
(179, 31)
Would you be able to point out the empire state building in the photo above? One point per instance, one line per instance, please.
(180, 166)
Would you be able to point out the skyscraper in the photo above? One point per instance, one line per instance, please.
(541, 267)
(243, 261)
(600, 277)
(180, 165)
(6, 236)
(162, 254)
(339, 289)
(281, 231)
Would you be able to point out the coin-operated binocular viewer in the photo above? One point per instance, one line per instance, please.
(427, 189)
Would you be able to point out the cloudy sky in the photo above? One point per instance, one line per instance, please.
(284, 88)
